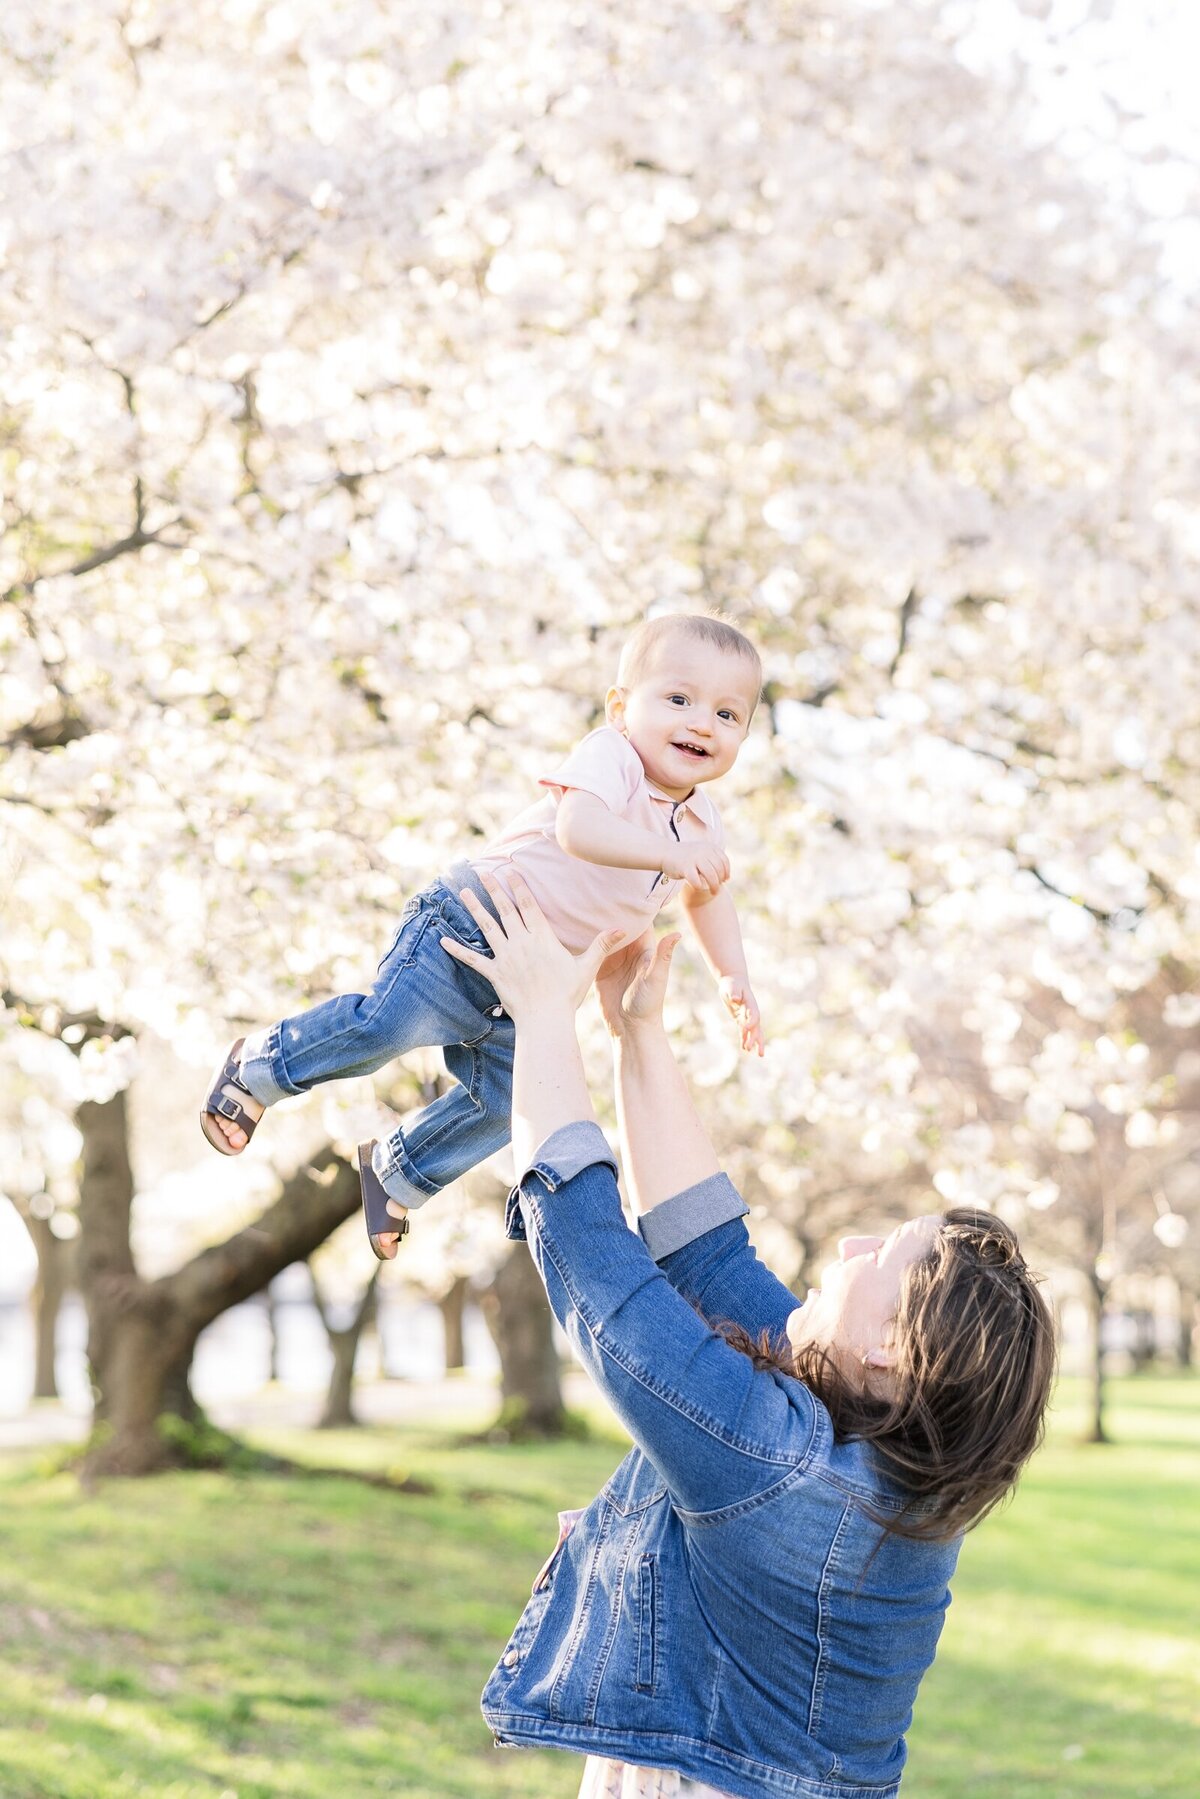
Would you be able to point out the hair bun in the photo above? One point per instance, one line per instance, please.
(999, 1250)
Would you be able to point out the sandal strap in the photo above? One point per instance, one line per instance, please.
(227, 1107)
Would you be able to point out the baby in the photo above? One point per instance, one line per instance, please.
(623, 826)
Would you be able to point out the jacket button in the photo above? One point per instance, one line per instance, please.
(511, 1659)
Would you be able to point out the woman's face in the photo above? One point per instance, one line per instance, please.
(852, 1312)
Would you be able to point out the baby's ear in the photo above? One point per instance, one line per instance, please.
(614, 708)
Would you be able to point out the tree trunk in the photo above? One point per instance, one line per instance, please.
(272, 1309)
(520, 1321)
(1099, 1292)
(54, 1257)
(141, 1334)
(339, 1400)
(1189, 1313)
(452, 1305)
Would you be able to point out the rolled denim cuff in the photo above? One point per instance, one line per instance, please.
(562, 1155)
(262, 1072)
(694, 1212)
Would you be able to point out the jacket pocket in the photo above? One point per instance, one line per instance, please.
(647, 1612)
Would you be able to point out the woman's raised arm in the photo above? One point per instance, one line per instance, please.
(664, 1146)
(721, 1433)
(689, 1212)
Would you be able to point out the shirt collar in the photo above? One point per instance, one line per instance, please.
(697, 803)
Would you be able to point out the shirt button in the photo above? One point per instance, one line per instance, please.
(511, 1659)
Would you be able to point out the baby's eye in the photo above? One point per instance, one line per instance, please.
(731, 716)
(677, 699)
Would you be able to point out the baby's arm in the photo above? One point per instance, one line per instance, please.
(714, 919)
(586, 828)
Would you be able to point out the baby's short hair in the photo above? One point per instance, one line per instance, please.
(703, 627)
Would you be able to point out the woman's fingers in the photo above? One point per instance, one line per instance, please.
(479, 912)
(461, 953)
(660, 962)
(589, 961)
(664, 949)
(524, 904)
(515, 907)
(648, 981)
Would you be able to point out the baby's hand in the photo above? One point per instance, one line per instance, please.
(701, 865)
(743, 1008)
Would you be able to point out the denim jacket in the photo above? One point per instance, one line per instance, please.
(727, 1605)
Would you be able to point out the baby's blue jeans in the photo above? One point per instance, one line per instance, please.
(421, 997)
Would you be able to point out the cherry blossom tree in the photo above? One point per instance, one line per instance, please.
(367, 375)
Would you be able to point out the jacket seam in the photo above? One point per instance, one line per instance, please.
(820, 1668)
(568, 1660)
(610, 1635)
(726, 1514)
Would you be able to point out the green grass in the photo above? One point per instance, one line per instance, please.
(211, 1634)
(1070, 1663)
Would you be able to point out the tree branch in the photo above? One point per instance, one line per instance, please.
(907, 613)
(314, 1201)
(1122, 917)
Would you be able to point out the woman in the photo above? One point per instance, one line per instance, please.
(748, 1607)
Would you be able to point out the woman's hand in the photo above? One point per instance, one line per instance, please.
(529, 968)
(632, 983)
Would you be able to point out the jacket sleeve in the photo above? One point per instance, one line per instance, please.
(698, 1239)
(722, 1432)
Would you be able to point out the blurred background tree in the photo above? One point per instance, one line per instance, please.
(367, 376)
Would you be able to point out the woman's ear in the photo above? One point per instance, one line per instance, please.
(883, 1355)
(614, 708)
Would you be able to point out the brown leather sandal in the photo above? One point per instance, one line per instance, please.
(222, 1104)
(380, 1221)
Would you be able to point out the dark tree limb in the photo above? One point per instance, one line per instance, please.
(908, 612)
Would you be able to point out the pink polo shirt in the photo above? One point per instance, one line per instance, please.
(581, 899)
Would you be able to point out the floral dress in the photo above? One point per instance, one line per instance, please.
(617, 1780)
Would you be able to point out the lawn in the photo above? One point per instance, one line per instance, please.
(244, 1635)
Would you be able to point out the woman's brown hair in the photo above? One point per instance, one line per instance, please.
(965, 1401)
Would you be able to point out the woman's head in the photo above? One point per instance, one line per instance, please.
(936, 1345)
(852, 1314)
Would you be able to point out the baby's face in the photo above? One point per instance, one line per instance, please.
(688, 713)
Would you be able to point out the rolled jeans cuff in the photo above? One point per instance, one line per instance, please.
(262, 1073)
(398, 1177)
(558, 1158)
(685, 1216)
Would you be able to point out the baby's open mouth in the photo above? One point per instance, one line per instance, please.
(691, 749)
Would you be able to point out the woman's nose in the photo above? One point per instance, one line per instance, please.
(857, 1246)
